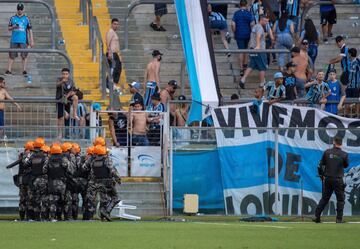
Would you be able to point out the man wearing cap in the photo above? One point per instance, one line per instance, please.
(275, 89)
(152, 77)
(113, 50)
(154, 126)
(21, 37)
(167, 95)
(135, 91)
(290, 81)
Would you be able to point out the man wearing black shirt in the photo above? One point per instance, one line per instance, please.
(331, 171)
(290, 81)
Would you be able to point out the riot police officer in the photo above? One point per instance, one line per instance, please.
(103, 177)
(80, 187)
(70, 181)
(56, 168)
(38, 180)
(83, 181)
(331, 171)
(24, 178)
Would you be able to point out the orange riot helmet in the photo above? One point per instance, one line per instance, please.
(45, 148)
(66, 147)
(99, 141)
(76, 148)
(100, 150)
(29, 145)
(39, 142)
(90, 150)
(55, 149)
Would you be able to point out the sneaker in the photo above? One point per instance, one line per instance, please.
(242, 84)
(154, 26)
(325, 41)
(316, 220)
(228, 55)
(228, 37)
(161, 28)
(25, 73)
(8, 72)
(331, 35)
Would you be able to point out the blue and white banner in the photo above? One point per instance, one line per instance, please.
(247, 157)
(200, 60)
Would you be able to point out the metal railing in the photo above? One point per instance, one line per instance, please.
(96, 42)
(40, 51)
(52, 16)
(37, 116)
(225, 51)
(135, 3)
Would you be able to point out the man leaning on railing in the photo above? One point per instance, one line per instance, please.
(4, 95)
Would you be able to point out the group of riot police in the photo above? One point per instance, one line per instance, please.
(50, 180)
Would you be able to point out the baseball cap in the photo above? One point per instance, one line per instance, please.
(278, 75)
(305, 42)
(182, 98)
(135, 85)
(96, 107)
(20, 6)
(156, 96)
(173, 83)
(156, 53)
(290, 64)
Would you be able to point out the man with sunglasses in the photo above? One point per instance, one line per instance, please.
(21, 37)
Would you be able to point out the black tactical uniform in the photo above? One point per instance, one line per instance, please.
(103, 177)
(23, 180)
(333, 162)
(57, 168)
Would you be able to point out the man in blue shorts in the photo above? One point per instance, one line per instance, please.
(241, 24)
(4, 95)
(336, 93)
(258, 61)
(152, 77)
(21, 37)
(327, 19)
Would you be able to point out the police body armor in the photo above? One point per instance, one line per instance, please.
(81, 172)
(56, 171)
(23, 174)
(100, 169)
(37, 163)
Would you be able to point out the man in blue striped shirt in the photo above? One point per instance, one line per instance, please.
(352, 90)
(154, 125)
(293, 10)
(343, 58)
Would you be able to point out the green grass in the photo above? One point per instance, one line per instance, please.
(171, 235)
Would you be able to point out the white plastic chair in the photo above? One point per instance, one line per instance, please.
(119, 211)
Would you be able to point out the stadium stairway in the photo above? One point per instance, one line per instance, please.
(146, 196)
(43, 68)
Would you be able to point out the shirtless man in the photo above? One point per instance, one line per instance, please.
(301, 60)
(138, 128)
(167, 95)
(181, 113)
(152, 77)
(4, 95)
(113, 49)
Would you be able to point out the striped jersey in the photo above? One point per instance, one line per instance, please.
(275, 92)
(216, 16)
(316, 92)
(354, 74)
(293, 7)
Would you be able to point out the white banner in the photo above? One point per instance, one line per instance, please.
(146, 161)
(119, 157)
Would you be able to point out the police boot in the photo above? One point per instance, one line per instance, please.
(45, 216)
(58, 216)
(22, 215)
(104, 214)
(30, 215)
(111, 205)
(37, 216)
(86, 215)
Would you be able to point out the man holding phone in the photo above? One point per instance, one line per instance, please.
(21, 37)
